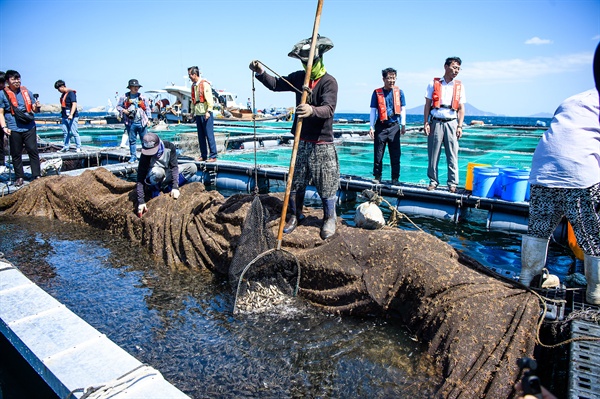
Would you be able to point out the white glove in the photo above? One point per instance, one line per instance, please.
(142, 208)
(304, 111)
(256, 67)
(175, 193)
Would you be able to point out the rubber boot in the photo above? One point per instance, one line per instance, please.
(329, 218)
(295, 206)
(592, 275)
(533, 257)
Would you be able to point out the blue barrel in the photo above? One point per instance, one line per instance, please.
(498, 184)
(514, 185)
(483, 181)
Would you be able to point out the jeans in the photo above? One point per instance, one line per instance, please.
(70, 127)
(132, 131)
(206, 133)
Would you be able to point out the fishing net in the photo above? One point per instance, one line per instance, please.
(262, 275)
(474, 325)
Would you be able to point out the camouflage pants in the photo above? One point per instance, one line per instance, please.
(548, 205)
(317, 164)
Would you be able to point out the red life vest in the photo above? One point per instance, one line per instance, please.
(140, 102)
(13, 99)
(436, 97)
(63, 98)
(200, 92)
(381, 103)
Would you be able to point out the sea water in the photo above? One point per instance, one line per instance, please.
(181, 323)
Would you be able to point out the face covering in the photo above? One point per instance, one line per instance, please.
(318, 69)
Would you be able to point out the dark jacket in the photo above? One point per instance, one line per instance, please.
(319, 126)
(145, 165)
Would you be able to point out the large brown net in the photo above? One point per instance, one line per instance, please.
(474, 325)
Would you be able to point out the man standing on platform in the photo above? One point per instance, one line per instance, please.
(388, 122)
(202, 109)
(137, 112)
(444, 114)
(17, 120)
(69, 115)
(3, 168)
(317, 159)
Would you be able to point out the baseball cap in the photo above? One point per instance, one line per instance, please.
(150, 144)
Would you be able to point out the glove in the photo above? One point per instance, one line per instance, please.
(175, 193)
(142, 208)
(304, 111)
(256, 67)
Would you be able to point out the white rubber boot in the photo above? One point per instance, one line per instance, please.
(592, 271)
(533, 257)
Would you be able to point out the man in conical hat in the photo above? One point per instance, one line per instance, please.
(317, 160)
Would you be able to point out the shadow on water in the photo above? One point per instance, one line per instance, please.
(181, 323)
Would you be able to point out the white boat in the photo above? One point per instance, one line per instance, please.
(173, 104)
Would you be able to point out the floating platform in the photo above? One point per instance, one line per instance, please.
(69, 354)
(412, 199)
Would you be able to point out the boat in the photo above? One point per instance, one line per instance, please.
(173, 104)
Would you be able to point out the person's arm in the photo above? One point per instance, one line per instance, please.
(403, 120)
(210, 103)
(148, 108)
(120, 104)
(3, 123)
(326, 107)
(461, 117)
(426, 111)
(73, 106)
(372, 121)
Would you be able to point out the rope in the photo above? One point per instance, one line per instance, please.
(280, 77)
(116, 386)
(541, 321)
(395, 216)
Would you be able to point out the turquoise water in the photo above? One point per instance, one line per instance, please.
(504, 144)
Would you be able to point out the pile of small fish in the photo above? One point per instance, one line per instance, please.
(260, 298)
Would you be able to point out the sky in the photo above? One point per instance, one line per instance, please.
(520, 57)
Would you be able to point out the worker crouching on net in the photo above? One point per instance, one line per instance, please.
(317, 160)
(159, 172)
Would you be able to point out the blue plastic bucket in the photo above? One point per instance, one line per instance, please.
(498, 184)
(514, 185)
(483, 181)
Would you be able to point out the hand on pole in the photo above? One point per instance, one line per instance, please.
(304, 110)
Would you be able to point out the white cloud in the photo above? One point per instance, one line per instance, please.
(596, 38)
(519, 70)
(537, 41)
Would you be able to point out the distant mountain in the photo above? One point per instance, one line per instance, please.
(469, 111)
(542, 115)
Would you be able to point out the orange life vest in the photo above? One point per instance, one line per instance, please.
(13, 99)
(200, 92)
(140, 101)
(381, 103)
(63, 98)
(436, 97)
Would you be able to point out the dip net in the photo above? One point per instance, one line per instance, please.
(264, 277)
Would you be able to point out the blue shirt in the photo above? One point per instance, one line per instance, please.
(389, 103)
(66, 111)
(11, 123)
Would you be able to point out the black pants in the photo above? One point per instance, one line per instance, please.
(29, 140)
(389, 135)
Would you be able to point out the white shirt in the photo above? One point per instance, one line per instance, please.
(447, 94)
(568, 154)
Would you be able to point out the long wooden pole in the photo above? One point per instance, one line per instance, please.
(288, 186)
